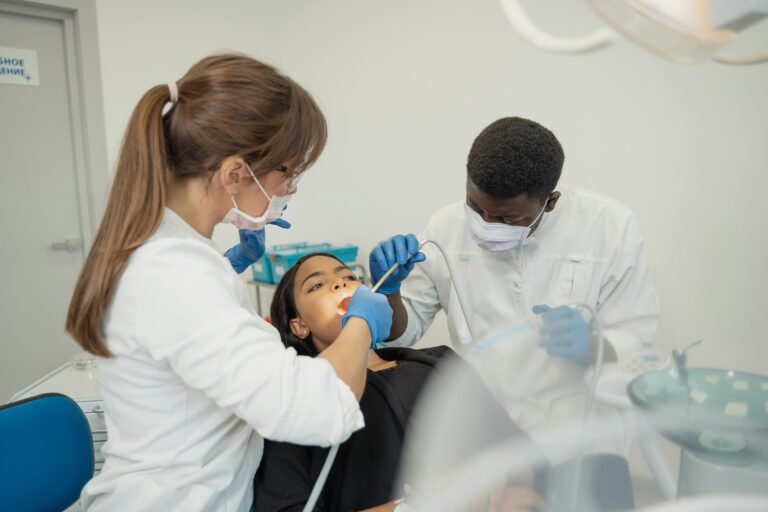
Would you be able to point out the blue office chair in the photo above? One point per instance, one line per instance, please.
(46, 453)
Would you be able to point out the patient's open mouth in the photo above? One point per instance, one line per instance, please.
(343, 306)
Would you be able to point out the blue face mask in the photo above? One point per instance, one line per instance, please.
(497, 236)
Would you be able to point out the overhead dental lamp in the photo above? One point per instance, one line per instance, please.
(683, 31)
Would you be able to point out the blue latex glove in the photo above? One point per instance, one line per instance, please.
(251, 246)
(564, 332)
(374, 308)
(402, 249)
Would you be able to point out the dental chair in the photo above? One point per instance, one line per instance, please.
(46, 453)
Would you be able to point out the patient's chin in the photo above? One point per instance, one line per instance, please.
(327, 334)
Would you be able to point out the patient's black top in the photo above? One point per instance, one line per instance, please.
(364, 472)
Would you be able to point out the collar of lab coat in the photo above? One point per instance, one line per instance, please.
(173, 224)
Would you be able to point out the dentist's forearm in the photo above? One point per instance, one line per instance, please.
(349, 354)
(399, 316)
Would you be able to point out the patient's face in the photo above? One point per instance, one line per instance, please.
(321, 282)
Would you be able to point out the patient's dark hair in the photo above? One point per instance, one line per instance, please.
(283, 308)
(514, 156)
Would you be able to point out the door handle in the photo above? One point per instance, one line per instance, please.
(68, 245)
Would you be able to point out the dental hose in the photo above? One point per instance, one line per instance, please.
(455, 283)
(450, 271)
(575, 494)
(321, 478)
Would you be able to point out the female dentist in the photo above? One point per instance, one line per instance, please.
(192, 378)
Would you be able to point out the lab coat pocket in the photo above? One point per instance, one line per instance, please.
(573, 281)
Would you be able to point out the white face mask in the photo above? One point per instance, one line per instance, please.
(496, 236)
(244, 221)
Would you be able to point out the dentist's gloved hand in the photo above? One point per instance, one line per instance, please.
(564, 332)
(251, 246)
(374, 308)
(402, 249)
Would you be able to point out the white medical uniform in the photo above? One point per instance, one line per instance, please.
(197, 381)
(588, 249)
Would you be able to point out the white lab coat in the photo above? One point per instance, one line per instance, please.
(197, 381)
(588, 249)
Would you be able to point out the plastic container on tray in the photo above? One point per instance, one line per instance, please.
(279, 258)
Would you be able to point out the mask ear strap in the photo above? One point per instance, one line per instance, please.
(250, 171)
(234, 203)
(541, 213)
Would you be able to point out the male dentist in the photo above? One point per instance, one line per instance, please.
(525, 252)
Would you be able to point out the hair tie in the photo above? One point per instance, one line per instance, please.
(174, 90)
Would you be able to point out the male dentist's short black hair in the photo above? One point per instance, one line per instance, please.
(514, 156)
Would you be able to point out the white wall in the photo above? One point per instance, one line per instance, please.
(406, 86)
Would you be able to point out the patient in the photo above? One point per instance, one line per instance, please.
(305, 310)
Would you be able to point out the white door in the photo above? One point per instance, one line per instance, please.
(42, 219)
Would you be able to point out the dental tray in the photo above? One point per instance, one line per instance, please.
(717, 412)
